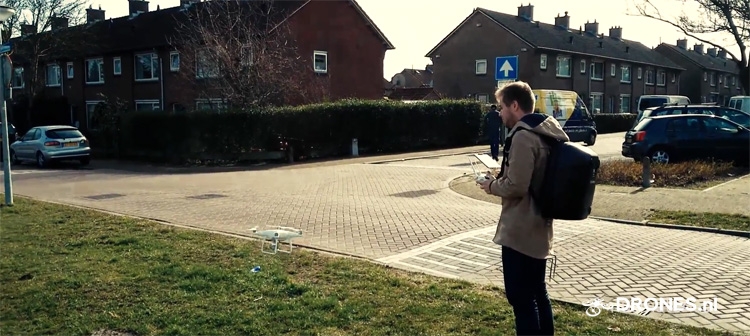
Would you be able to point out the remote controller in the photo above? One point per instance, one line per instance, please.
(480, 178)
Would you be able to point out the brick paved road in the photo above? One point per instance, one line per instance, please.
(402, 213)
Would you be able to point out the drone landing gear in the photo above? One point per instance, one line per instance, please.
(273, 246)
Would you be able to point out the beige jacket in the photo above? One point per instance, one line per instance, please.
(521, 226)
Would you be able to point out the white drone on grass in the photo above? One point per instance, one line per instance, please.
(273, 237)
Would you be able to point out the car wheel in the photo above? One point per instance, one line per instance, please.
(591, 140)
(40, 161)
(659, 155)
(13, 158)
(85, 161)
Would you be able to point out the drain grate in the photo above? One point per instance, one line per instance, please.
(104, 196)
(415, 194)
(206, 196)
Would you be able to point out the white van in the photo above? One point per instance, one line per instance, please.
(647, 101)
(741, 103)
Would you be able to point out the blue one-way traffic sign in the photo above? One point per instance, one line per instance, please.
(506, 68)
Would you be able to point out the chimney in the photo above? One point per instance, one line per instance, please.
(615, 33)
(563, 21)
(138, 6)
(723, 54)
(94, 15)
(58, 22)
(592, 28)
(27, 29)
(698, 48)
(525, 12)
(682, 43)
(712, 52)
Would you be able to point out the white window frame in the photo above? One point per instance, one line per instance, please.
(713, 79)
(477, 63)
(629, 99)
(70, 70)
(155, 103)
(613, 70)
(211, 101)
(59, 75)
(115, 61)
(543, 61)
(482, 98)
(154, 69)
(583, 66)
(172, 66)
(205, 70)
(88, 113)
(593, 71)
(661, 78)
(15, 75)
(558, 60)
(726, 81)
(317, 53)
(593, 107)
(650, 81)
(101, 70)
(625, 69)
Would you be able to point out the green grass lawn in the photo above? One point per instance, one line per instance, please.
(703, 219)
(70, 271)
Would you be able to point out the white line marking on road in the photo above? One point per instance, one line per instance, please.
(434, 262)
(480, 246)
(459, 259)
(427, 270)
(468, 252)
(727, 182)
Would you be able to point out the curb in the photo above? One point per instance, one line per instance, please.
(419, 157)
(736, 233)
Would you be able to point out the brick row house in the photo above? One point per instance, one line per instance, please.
(132, 57)
(413, 78)
(710, 77)
(608, 72)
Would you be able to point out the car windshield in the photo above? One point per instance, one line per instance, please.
(738, 117)
(64, 133)
(651, 102)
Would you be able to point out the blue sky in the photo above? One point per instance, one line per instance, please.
(415, 26)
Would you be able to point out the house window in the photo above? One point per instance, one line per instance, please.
(483, 98)
(650, 77)
(713, 79)
(147, 105)
(95, 71)
(625, 103)
(246, 56)
(480, 67)
(563, 66)
(674, 77)
(597, 70)
(53, 75)
(215, 105)
(726, 81)
(69, 70)
(92, 120)
(640, 73)
(613, 70)
(18, 82)
(625, 74)
(320, 61)
(174, 61)
(705, 76)
(734, 80)
(597, 99)
(205, 65)
(661, 78)
(543, 62)
(583, 66)
(117, 66)
(146, 67)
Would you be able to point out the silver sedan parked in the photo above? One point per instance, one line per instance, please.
(45, 144)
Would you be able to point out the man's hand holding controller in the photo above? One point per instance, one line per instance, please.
(484, 180)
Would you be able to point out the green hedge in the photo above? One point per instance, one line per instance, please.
(614, 123)
(313, 130)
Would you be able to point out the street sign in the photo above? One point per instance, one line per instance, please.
(506, 68)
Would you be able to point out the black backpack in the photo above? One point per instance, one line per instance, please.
(569, 181)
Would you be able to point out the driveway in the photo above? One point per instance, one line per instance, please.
(403, 214)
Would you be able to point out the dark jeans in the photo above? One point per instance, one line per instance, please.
(527, 293)
(494, 145)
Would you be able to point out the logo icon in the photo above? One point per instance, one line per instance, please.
(595, 306)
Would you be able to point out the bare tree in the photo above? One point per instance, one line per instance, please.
(713, 16)
(243, 52)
